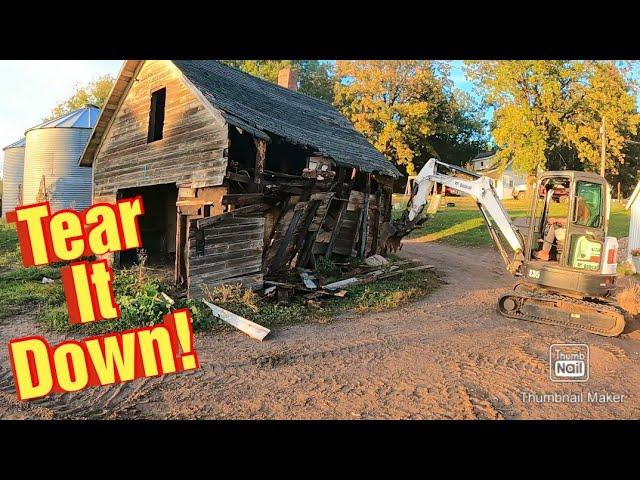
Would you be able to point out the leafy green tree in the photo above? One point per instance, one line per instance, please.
(95, 92)
(463, 131)
(548, 113)
(315, 78)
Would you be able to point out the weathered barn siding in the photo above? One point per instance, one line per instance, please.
(227, 251)
(191, 151)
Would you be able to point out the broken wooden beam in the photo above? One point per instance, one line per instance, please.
(306, 237)
(250, 209)
(372, 276)
(284, 244)
(336, 228)
(243, 199)
(365, 219)
(238, 177)
(343, 283)
(336, 293)
(247, 326)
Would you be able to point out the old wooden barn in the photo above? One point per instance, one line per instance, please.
(240, 178)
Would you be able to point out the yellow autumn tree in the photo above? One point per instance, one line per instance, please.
(95, 92)
(397, 104)
(548, 113)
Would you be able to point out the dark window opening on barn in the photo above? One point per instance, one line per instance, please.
(157, 226)
(156, 115)
(242, 152)
(360, 181)
(284, 157)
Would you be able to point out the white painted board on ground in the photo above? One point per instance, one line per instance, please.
(247, 326)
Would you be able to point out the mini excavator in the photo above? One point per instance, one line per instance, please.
(564, 260)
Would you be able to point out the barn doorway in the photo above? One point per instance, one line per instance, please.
(157, 227)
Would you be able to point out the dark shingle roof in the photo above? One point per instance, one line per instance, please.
(260, 106)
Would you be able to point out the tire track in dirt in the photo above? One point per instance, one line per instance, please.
(448, 356)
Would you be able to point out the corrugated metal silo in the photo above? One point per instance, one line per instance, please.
(12, 175)
(51, 170)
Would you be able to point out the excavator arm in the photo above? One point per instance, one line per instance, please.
(481, 190)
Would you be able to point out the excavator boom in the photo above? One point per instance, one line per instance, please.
(481, 190)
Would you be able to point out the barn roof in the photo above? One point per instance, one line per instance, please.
(263, 109)
(634, 196)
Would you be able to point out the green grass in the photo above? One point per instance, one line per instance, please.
(139, 294)
(21, 289)
(619, 221)
(463, 226)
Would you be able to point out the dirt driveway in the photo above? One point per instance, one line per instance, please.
(449, 356)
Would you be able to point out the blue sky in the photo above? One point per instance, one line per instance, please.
(457, 75)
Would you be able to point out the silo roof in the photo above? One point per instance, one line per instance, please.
(20, 143)
(85, 117)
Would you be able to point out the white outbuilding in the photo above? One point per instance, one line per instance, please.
(634, 225)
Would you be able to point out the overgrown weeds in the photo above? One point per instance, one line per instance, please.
(139, 293)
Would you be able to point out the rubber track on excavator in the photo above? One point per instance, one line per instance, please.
(572, 309)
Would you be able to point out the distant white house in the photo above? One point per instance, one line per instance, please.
(634, 225)
(505, 178)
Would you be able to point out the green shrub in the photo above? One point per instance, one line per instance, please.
(141, 302)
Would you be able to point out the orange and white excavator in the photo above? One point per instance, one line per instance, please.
(565, 263)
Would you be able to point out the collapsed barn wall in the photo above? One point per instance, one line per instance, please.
(289, 220)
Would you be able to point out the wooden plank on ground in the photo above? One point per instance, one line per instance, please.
(247, 326)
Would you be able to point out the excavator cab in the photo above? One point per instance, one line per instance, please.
(566, 244)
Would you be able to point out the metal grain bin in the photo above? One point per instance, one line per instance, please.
(12, 175)
(51, 170)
